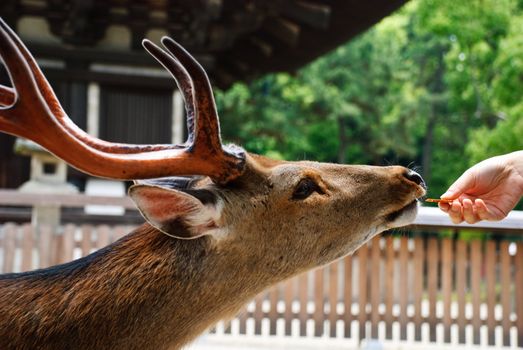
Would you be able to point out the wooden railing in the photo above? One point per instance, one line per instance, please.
(24, 247)
(16, 207)
(416, 285)
(17, 198)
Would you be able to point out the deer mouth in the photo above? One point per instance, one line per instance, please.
(403, 216)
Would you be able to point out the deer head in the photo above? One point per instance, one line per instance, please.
(291, 216)
(261, 220)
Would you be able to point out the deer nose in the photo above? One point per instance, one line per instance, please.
(414, 177)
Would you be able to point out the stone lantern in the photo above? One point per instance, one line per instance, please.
(48, 176)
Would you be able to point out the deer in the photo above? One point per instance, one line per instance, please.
(221, 224)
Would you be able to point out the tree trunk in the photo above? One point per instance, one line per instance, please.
(342, 136)
(427, 146)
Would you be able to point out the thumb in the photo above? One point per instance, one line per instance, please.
(460, 186)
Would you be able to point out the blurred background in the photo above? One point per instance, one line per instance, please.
(435, 85)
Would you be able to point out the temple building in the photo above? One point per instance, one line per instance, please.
(90, 51)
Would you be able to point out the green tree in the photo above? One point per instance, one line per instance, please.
(507, 100)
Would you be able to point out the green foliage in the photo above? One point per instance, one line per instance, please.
(437, 85)
(504, 138)
(504, 135)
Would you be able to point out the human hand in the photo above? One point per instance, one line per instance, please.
(487, 191)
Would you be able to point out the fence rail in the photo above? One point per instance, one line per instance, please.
(416, 286)
(17, 198)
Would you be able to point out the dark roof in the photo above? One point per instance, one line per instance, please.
(234, 39)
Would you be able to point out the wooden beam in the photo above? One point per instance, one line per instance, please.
(283, 29)
(264, 47)
(86, 54)
(347, 19)
(86, 75)
(76, 216)
(314, 14)
(81, 24)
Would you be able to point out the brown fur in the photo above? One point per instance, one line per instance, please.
(151, 291)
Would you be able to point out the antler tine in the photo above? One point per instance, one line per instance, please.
(207, 128)
(7, 95)
(36, 73)
(20, 74)
(182, 78)
(23, 82)
(32, 111)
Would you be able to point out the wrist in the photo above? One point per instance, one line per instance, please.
(515, 161)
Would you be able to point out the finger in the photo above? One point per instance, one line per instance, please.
(460, 186)
(468, 212)
(445, 207)
(456, 213)
(483, 212)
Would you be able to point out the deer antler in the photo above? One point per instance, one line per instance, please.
(7, 96)
(33, 111)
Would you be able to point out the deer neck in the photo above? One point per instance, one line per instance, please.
(203, 284)
(142, 289)
(187, 285)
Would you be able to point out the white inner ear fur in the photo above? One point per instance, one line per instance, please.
(207, 220)
(201, 219)
(204, 221)
(209, 214)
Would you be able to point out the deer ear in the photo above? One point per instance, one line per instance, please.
(175, 213)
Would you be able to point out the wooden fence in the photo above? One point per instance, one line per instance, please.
(420, 288)
(426, 288)
(24, 248)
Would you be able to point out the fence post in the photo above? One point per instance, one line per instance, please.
(491, 281)
(461, 285)
(432, 284)
(9, 247)
(347, 295)
(506, 281)
(446, 284)
(389, 290)
(374, 279)
(404, 288)
(362, 292)
(475, 286)
(417, 281)
(518, 262)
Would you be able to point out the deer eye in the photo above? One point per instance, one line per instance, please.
(305, 188)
